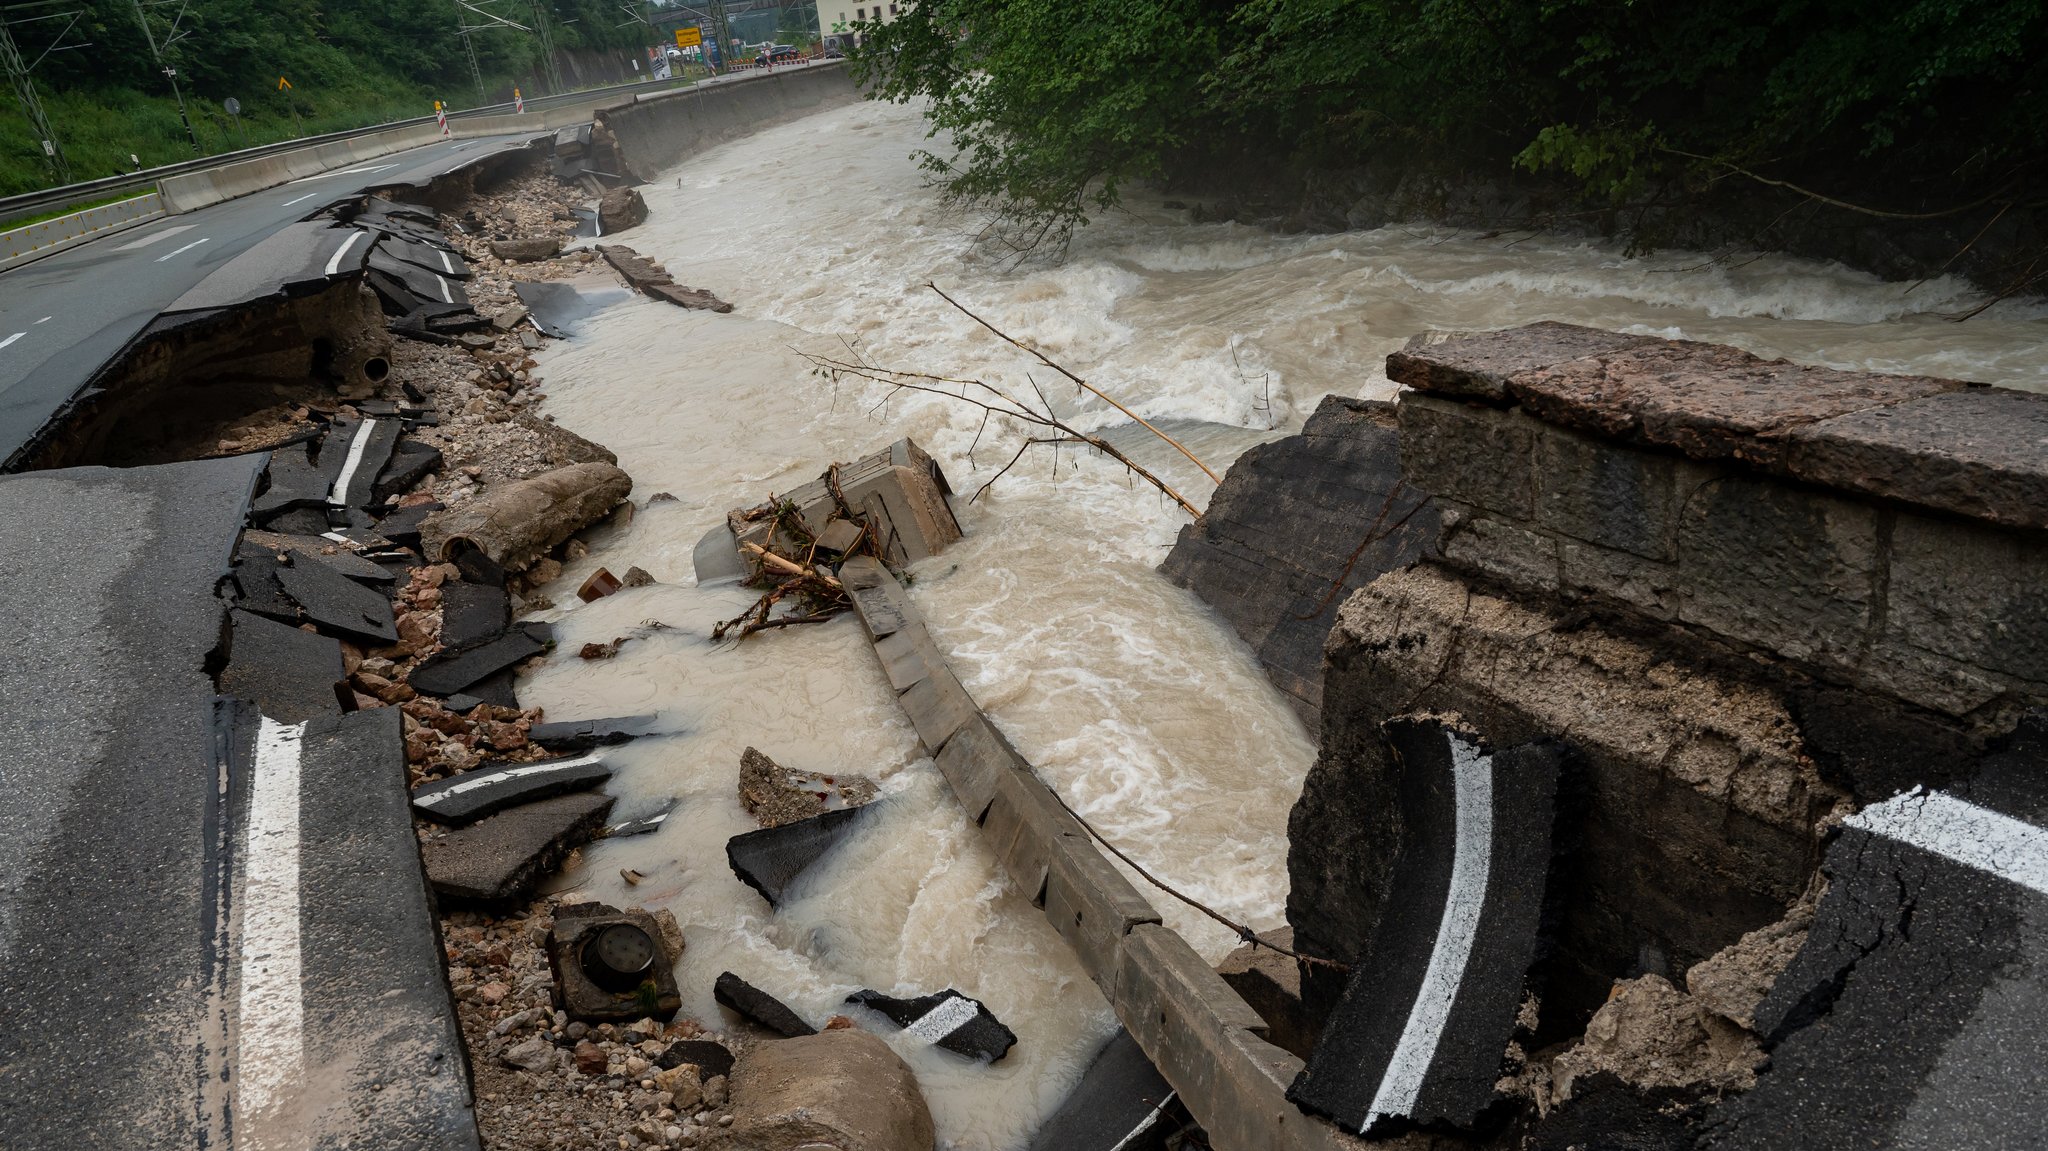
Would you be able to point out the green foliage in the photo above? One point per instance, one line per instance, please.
(1046, 107)
(351, 63)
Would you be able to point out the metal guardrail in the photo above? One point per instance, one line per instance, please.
(56, 199)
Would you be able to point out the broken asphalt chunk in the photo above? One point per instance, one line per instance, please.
(770, 859)
(451, 671)
(641, 825)
(710, 1059)
(584, 734)
(334, 601)
(474, 794)
(948, 1019)
(756, 1005)
(295, 481)
(365, 446)
(1423, 1027)
(1118, 1102)
(403, 525)
(292, 676)
(261, 592)
(316, 549)
(410, 462)
(473, 613)
(502, 857)
(1916, 1013)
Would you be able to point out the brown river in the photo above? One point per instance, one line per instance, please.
(1131, 699)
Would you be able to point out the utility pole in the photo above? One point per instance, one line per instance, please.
(149, 34)
(550, 68)
(32, 105)
(476, 71)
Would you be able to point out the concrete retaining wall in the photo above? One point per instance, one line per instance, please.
(1888, 533)
(658, 129)
(1207, 1042)
(34, 241)
(200, 189)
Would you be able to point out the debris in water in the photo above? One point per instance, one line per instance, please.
(948, 1019)
(754, 1004)
(770, 859)
(776, 795)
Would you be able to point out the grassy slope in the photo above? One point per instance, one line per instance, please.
(100, 129)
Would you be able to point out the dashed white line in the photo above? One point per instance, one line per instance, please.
(346, 172)
(339, 496)
(153, 237)
(271, 1046)
(1957, 829)
(12, 338)
(334, 262)
(183, 250)
(446, 297)
(1471, 861)
(445, 265)
(45, 319)
(307, 196)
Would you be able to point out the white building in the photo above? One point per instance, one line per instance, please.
(836, 18)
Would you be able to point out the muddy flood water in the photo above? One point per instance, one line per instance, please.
(1130, 698)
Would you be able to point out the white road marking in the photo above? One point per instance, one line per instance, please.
(1471, 863)
(12, 338)
(472, 784)
(183, 250)
(153, 237)
(346, 172)
(943, 1020)
(307, 196)
(334, 262)
(2011, 849)
(445, 265)
(446, 298)
(339, 496)
(1145, 1126)
(45, 319)
(271, 1048)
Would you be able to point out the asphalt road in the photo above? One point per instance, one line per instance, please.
(64, 316)
(214, 927)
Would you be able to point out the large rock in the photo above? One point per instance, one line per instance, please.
(621, 208)
(527, 248)
(516, 524)
(1299, 524)
(841, 1089)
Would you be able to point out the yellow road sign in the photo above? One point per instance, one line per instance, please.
(689, 37)
(283, 83)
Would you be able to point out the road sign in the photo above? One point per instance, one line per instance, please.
(233, 106)
(689, 37)
(283, 83)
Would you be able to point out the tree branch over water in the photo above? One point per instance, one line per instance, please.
(994, 402)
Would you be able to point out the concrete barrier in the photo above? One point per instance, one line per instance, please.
(201, 189)
(1207, 1042)
(655, 130)
(45, 237)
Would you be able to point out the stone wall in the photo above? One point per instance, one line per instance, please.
(1883, 532)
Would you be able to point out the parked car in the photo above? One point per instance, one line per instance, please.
(781, 54)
